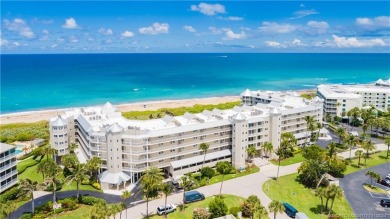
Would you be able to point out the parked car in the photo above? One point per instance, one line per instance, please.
(289, 210)
(385, 182)
(177, 182)
(193, 196)
(166, 209)
(385, 202)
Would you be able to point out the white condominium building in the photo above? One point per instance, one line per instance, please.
(342, 98)
(128, 147)
(8, 171)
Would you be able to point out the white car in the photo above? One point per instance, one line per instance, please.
(166, 209)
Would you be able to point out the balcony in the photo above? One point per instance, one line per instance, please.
(7, 157)
(6, 167)
(9, 184)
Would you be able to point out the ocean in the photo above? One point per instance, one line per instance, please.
(38, 82)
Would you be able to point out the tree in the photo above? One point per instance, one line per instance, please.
(276, 207)
(201, 213)
(373, 175)
(207, 172)
(186, 184)
(312, 152)
(28, 187)
(352, 142)
(78, 174)
(267, 147)
(311, 171)
(340, 131)
(218, 207)
(41, 168)
(288, 142)
(125, 195)
(250, 205)
(69, 160)
(331, 152)
(53, 173)
(359, 154)
(7, 208)
(252, 151)
(47, 150)
(72, 147)
(321, 193)
(328, 117)
(368, 146)
(261, 211)
(204, 147)
(167, 189)
(387, 141)
(223, 167)
(93, 165)
(335, 192)
(150, 182)
(309, 125)
(99, 210)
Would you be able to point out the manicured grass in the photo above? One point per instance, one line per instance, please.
(230, 200)
(373, 160)
(287, 189)
(217, 179)
(374, 189)
(80, 213)
(291, 160)
(178, 111)
(23, 165)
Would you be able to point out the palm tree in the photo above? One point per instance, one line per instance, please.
(28, 187)
(267, 148)
(359, 154)
(331, 151)
(276, 207)
(25, 149)
(223, 168)
(78, 174)
(69, 160)
(340, 131)
(167, 189)
(288, 142)
(373, 175)
(125, 195)
(352, 141)
(204, 147)
(93, 165)
(387, 141)
(49, 151)
(336, 192)
(364, 128)
(252, 151)
(309, 124)
(186, 184)
(73, 146)
(53, 173)
(321, 193)
(338, 106)
(261, 211)
(368, 146)
(99, 210)
(150, 182)
(41, 168)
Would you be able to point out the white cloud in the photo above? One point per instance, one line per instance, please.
(315, 27)
(274, 44)
(376, 22)
(318, 24)
(54, 45)
(20, 26)
(16, 44)
(127, 34)
(353, 42)
(4, 42)
(303, 13)
(70, 24)
(46, 32)
(297, 42)
(230, 35)
(231, 18)
(73, 39)
(274, 28)
(209, 9)
(189, 28)
(302, 6)
(156, 28)
(106, 32)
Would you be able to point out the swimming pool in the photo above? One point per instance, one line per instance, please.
(18, 151)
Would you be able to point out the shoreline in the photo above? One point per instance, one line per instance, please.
(39, 115)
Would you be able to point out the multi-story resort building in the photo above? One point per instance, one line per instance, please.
(342, 98)
(128, 147)
(8, 171)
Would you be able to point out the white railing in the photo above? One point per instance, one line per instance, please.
(8, 166)
(7, 157)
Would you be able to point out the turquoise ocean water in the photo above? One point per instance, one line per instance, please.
(36, 82)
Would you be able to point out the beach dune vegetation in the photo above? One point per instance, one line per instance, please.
(24, 131)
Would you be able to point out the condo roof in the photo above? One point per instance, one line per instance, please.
(336, 91)
(113, 178)
(5, 147)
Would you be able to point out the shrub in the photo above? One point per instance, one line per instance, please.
(90, 200)
(25, 156)
(203, 182)
(234, 210)
(96, 185)
(58, 210)
(10, 194)
(197, 176)
(207, 172)
(24, 131)
(218, 207)
(201, 213)
(49, 188)
(69, 204)
(26, 216)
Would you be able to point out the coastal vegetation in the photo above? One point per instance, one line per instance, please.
(309, 95)
(24, 131)
(178, 111)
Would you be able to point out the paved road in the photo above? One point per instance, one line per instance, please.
(361, 201)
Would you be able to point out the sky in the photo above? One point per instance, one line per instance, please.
(188, 26)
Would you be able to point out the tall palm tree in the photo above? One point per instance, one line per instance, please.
(25, 149)
(340, 131)
(99, 210)
(364, 128)
(321, 193)
(373, 175)
(69, 160)
(276, 207)
(125, 195)
(41, 168)
(167, 189)
(331, 150)
(261, 211)
(186, 184)
(287, 144)
(53, 173)
(93, 165)
(368, 146)
(387, 141)
(223, 168)
(78, 174)
(204, 147)
(73, 146)
(267, 148)
(309, 124)
(252, 151)
(359, 154)
(150, 182)
(336, 192)
(49, 151)
(28, 187)
(352, 142)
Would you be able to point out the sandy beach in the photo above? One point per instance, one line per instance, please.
(35, 116)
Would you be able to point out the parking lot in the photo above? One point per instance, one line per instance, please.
(361, 201)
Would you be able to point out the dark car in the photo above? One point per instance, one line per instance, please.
(193, 196)
(290, 210)
(385, 202)
(385, 182)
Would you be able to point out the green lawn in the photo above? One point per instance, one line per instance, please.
(80, 213)
(230, 200)
(23, 165)
(374, 189)
(217, 179)
(373, 160)
(287, 189)
(291, 160)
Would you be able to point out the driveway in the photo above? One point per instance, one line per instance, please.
(363, 203)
